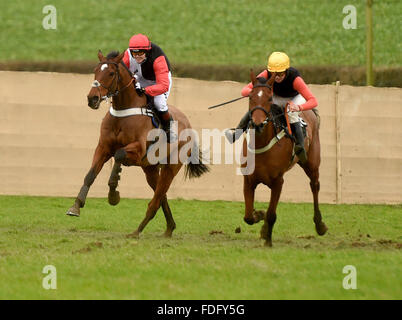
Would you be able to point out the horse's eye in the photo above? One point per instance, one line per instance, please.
(111, 74)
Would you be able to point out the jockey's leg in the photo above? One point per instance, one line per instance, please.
(161, 106)
(160, 103)
(299, 147)
(297, 130)
(167, 121)
(233, 135)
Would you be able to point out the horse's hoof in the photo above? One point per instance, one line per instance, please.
(73, 212)
(321, 228)
(133, 235)
(258, 216)
(113, 197)
(249, 221)
(268, 243)
(168, 233)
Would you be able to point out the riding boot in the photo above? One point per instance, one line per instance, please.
(233, 134)
(166, 122)
(299, 147)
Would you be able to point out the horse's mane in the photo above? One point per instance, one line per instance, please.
(112, 54)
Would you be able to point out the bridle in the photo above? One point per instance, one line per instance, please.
(269, 115)
(116, 79)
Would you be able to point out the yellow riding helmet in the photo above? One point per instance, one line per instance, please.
(278, 62)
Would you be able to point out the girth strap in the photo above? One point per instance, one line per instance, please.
(131, 112)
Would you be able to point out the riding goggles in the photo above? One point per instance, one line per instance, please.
(135, 53)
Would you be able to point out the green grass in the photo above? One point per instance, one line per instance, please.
(220, 32)
(205, 259)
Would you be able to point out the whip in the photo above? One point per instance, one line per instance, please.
(221, 104)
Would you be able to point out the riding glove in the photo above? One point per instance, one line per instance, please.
(139, 89)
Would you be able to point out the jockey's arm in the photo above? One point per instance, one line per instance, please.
(300, 86)
(162, 78)
(247, 89)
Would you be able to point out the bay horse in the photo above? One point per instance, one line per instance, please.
(123, 136)
(274, 157)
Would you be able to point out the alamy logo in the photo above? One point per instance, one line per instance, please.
(50, 281)
(350, 21)
(188, 153)
(350, 281)
(50, 20)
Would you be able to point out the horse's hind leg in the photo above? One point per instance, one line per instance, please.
(170, 224)
(164, 180)
(113, 195)
(152, 174)
(99, 159)
(313, 174)
(311, 168)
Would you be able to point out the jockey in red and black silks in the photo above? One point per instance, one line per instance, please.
(151, 68)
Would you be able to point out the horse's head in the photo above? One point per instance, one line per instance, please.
(260, 100)
(107, 78)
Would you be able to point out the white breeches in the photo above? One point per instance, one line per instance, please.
(281, 101)
(160, 101)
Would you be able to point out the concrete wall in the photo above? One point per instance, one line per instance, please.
(48, 136)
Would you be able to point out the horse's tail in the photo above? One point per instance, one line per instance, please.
(195, 168)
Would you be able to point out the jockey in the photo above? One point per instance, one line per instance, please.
(151, 69)
(289, 87)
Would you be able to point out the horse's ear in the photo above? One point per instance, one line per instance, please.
(119, 57)
(252, 77)
(100, 56)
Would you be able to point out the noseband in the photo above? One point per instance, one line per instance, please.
(116, 80)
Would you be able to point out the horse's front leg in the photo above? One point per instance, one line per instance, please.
(270, 218)
(251, 216)
(100, 157)
(113, 195)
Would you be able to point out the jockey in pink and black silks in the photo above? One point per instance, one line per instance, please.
(151, 68)
(288, 88)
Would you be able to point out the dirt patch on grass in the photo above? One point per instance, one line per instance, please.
(83, 250)
(89, 247)
(213, 232)
(358, 244)
(97, 244)
(390, 243)
(306, 237)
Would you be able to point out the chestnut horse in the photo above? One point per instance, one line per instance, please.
(124, 136)
(273, 158)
